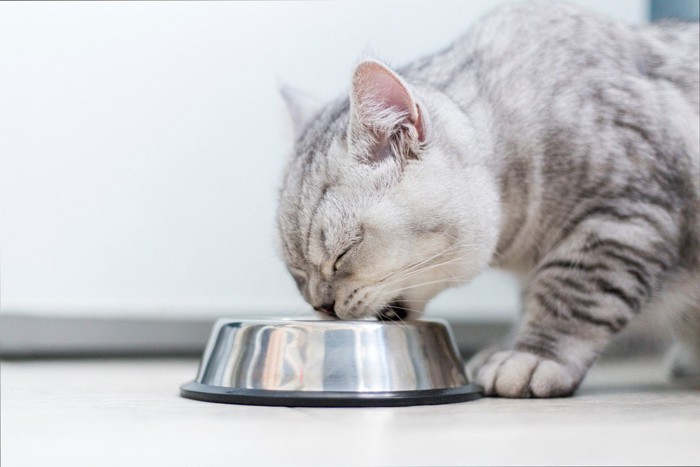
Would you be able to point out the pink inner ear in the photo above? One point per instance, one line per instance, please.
(390, 92)
(376, 83)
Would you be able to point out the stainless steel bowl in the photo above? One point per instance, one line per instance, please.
(331, 363)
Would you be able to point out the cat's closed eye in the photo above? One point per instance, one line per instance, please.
(340, 257)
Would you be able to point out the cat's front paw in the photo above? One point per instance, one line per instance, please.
(514, 373)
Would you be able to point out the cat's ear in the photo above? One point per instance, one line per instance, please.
(382, 101)
(301, 106)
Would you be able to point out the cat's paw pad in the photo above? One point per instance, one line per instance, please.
(513, 373)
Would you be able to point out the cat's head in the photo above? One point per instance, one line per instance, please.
(387, 199)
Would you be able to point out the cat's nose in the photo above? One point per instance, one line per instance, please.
(327, 308)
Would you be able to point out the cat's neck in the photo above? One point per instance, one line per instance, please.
(481, 139)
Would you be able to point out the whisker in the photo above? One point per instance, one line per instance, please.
(422, 270)
(404, 272)
(417, 264)
(415, 269)
(456, 280)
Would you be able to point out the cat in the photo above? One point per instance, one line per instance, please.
(549, 141)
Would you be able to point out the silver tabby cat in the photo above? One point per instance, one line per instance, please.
(548, 141)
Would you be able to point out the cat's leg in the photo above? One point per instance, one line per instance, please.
(579, 296)
(686, 360)
(686, 352)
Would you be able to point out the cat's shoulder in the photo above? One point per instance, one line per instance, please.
(524, 29)
(541, 19)
(538, 12)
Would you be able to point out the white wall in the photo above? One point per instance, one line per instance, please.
(142, 144)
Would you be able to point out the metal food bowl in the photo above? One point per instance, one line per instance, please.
(317, 363)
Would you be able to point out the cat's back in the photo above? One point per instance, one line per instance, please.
(671, 50)
(584, 95)
(545, 63)
(555, 40)
(528, 51)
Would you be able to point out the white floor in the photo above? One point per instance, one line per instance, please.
(127, 412)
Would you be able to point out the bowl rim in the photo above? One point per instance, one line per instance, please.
(331, 322)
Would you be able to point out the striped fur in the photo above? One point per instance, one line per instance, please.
(548, 141)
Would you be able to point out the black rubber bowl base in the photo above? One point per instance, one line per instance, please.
(207, 393)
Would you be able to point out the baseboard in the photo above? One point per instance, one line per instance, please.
(35, 336)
